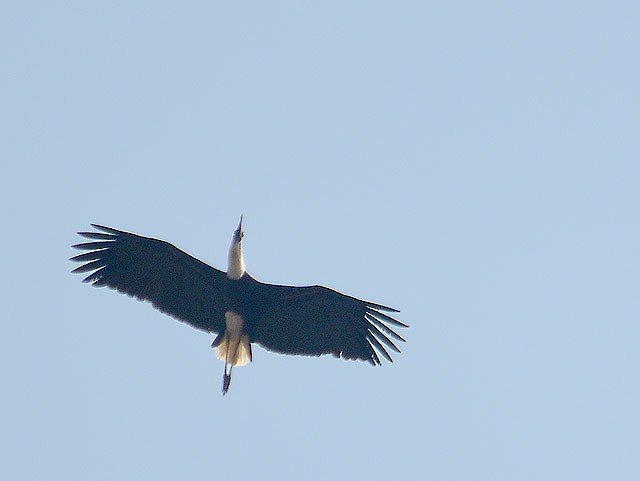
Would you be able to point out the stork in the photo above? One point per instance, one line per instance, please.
(312, 320)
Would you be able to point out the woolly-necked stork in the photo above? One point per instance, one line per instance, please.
(311, 320)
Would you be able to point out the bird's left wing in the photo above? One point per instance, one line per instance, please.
(316, 320)
(155, 271)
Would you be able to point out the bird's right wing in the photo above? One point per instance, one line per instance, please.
(153, 270)
(316, 320)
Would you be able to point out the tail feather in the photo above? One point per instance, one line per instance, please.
(234, 350)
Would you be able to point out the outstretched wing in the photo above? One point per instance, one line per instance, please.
(153, 270)
(317, 320)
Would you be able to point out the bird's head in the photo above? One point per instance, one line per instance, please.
(236, 262)
(239, 233)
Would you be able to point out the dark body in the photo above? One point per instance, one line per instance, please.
(311, 320)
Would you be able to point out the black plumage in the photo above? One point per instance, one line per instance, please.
(312, 320)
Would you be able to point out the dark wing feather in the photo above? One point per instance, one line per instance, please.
(155, 271)
(317, 320)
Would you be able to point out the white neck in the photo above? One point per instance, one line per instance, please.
(236, 262)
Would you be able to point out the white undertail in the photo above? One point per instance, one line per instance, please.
(235, 347)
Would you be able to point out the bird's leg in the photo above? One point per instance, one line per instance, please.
(226, 379)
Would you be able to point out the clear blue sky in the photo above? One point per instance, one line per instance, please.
(472, 164)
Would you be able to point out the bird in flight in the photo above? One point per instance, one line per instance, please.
(311, 321)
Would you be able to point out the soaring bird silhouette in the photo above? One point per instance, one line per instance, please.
(312, 320)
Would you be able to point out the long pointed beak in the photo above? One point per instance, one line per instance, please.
(238, 234)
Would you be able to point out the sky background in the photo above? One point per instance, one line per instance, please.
(473, 164)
